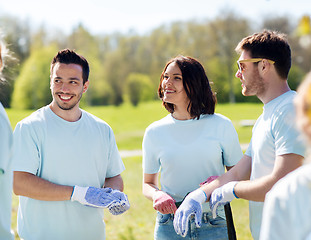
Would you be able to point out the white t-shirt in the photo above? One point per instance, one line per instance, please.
(80, 153)
(287, 208)
(188, 152)
(6, 176)
(274, 134)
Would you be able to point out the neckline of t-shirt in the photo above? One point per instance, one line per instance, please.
(277, 99)
(58, 118)
(187, 121)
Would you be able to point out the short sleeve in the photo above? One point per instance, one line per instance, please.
(151, 162)
(5, 142)
(116, 165)
(232, 152)
(26, 155)
(287, 137)
(248, 151)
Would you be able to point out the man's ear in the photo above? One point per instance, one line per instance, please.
(265, 66)
(86, 86)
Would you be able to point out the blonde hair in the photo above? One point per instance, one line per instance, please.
(303, 107)
(1, 61)
(4, 55)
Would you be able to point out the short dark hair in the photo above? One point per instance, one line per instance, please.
(196, 85)
(68, 56)
(269, 45)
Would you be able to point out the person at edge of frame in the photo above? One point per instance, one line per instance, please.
(6, 174)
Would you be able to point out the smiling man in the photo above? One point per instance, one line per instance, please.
(66, 163)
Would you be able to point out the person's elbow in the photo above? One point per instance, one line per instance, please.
(115, 183)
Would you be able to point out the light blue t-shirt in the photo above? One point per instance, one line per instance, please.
(274, 134)
(287, 208)
(80, 153)
(190, 151)
(6, 176)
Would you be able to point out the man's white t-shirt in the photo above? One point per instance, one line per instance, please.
(274, 134)
(82, 153)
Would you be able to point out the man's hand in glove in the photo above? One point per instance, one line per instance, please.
(221, 196)
(121, 205)
(94, 197)
(192, 205)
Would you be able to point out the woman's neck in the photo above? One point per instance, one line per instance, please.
(181, 115)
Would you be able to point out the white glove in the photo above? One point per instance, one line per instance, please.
(94, 197)
(121, 205)
(221, 196)
(192, 205)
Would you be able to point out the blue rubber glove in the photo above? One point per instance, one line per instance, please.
(192, 205)
(122, 205)
(221, 196)
(94, 197)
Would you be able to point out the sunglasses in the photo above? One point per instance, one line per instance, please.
(253, 60)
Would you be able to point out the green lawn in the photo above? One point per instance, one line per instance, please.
(129, 124)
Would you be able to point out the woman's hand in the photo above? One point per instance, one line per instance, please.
(164, 203)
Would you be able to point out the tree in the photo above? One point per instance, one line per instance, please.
(99, 91)
(32, 87)
(139, 88)
(226, 32)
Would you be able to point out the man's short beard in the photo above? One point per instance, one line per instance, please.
(67, 108)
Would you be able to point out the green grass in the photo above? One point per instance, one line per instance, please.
(129, 124)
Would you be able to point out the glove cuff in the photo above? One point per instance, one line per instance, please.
(231, 186)
(198, 195)
(234, 191)
(78, 193)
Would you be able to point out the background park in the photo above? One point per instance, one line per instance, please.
(125, 70)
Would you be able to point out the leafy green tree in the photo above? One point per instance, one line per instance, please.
(16, 35)
(139, 88)
(32, 87)
(295, 77)
(100, 91)
(226, 31)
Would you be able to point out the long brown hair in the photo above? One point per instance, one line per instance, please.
(196, 85)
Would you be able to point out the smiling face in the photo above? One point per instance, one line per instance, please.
(173, 88)
(67, 86)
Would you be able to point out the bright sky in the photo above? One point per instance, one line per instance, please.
(106, 16)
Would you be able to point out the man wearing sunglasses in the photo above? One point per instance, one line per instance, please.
(275, 148)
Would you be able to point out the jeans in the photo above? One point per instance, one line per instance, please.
(215, 229)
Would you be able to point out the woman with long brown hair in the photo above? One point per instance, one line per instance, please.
(185, 147)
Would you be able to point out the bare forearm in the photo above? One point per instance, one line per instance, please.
(239, 172)
(149, 190)
(150, 185)
(29, 185)
(115, 183)
(257, 189)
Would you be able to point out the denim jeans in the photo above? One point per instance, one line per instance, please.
(215, 229)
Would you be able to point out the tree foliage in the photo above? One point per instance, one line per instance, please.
(116, 58)
(139, 88)
(32, 87)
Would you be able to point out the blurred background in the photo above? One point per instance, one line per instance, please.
(127, 43)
